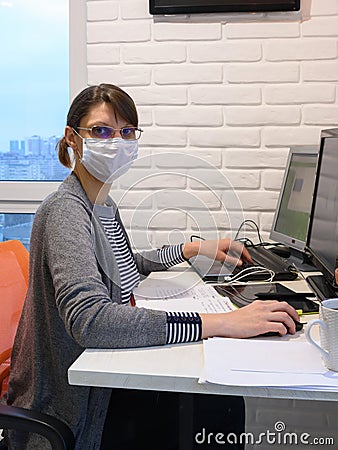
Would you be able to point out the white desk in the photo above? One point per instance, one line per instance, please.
(175, 368)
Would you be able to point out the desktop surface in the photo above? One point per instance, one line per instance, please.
(175, 368)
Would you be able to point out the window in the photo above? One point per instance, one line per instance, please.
(34, 87)
(36, 83)
(16, 226)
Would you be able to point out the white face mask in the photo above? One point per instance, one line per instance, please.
(108, 159)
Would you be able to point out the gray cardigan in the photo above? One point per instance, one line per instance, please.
(73, 303)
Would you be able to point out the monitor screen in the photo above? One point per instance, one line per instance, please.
(291, 219)
(323, 231)
(216, 6)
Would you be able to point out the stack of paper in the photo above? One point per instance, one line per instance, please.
(162, 295)
(269, 363)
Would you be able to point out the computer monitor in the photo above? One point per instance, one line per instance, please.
(291, 219)
(322, 242)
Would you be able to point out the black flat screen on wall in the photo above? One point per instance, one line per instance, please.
(216, 6)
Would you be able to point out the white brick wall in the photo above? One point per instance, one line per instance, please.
(220, 98)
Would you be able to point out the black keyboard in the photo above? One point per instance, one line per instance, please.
(262, 257)
(216, 271)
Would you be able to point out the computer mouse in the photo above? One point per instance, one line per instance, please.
(299, 327)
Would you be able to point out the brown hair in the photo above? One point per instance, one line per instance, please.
(122, 103)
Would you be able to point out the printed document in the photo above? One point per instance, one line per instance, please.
(167, 296)
(266, 362)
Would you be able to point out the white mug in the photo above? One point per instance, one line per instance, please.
(328, 323)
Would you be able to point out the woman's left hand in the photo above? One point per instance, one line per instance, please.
(232, 252)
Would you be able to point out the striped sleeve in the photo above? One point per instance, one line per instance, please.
(171, 255)
(183, 327)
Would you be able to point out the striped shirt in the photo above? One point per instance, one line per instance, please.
(181, 327)
(129, 275)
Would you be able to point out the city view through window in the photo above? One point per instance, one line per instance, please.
(31, 159)
(34, 94)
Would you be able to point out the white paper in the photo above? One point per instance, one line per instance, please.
(170, 297)
(158, 289)
(259, 362)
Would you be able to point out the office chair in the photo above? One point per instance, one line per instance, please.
(13, 286)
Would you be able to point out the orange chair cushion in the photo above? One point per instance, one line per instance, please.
(21, 254)
(13, 287)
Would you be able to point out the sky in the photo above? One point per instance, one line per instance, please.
(34, 68)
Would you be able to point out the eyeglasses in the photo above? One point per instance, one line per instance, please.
(103, 132)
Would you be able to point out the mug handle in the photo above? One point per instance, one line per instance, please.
(312, 341)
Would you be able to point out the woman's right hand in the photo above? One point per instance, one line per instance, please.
(261, 316)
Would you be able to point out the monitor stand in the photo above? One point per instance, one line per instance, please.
(321, 287)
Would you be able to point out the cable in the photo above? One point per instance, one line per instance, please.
(194, 236)
(248, 221)
(265, 244)
(251, 270)
(246, 241)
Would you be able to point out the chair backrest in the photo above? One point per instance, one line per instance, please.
(14, 261)
(20, 252)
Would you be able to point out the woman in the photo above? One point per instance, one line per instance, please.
(82, 274)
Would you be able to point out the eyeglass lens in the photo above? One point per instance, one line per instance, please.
(102, 132)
